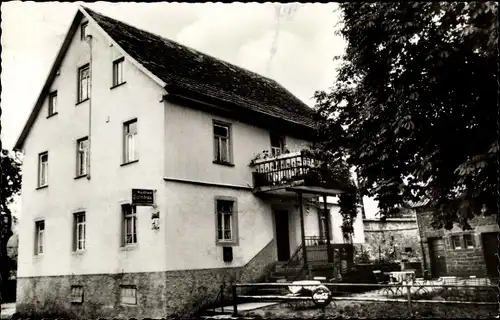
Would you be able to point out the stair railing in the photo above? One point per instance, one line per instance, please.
(220, 298)
(295, 259)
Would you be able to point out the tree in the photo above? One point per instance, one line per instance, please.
(10, 184)
(415, 107)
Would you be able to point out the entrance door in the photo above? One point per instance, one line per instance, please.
(490, 249)
(438, 260)
(282, 235)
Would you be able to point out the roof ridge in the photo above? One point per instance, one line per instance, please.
(175, 63)
(183, 45)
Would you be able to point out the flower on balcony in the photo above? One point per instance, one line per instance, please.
(260, 156)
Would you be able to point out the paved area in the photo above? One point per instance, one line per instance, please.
(7, 310)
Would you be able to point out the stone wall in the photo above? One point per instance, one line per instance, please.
(459, 262)
(159, 294)
(387, 239)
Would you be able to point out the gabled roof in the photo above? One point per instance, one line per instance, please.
(184, 67)
(179, 67)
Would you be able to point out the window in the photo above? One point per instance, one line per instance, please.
(277, 145)
(455, 242)
(83, 83)
(77, 294)
(79, 231)
(118, 72)
(129, 224)
(221, 143)
(43, 169)
(408, 250)
(130, 141)
(83, 31)
(82, 154)
(226, 221)
(39, 236)
(52, 103)
(469, 241)
(128, 295)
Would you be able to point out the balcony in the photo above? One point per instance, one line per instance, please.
(282, 171)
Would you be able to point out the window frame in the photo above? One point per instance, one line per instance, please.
(454, 244)
(39, 234)
(83, 30)
(234, 241)
(74, 298)
(120, 62)
(52, 108)
(78, 159)
(76, 224)
(43, 169)
(281, 148)
(129, 211)
(80, 97)
(471, 235)
(125, 128)
(122, 296)
(217, 156)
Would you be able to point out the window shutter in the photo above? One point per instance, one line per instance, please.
(74, 233)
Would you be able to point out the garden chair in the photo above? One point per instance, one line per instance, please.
(379, 277)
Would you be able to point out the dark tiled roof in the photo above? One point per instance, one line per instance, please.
(189, 69)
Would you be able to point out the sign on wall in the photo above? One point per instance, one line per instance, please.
(143, 197)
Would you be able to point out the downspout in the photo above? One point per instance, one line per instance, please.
(89, 39)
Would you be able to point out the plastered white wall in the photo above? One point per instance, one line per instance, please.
(110, 183)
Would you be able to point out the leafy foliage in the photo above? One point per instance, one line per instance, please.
(11, 175)
(333, 172)
(414, 107)
(10, 184)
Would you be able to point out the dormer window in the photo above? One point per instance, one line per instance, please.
(84, 31)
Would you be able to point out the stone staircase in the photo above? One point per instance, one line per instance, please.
(279, 273)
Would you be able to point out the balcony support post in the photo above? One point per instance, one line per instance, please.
(328, 231)
(303, 233)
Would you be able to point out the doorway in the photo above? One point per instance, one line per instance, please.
(282, 234)
(437, 255)
(490, 250)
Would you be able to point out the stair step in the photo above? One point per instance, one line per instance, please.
(283, 269)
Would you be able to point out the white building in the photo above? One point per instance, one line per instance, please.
(125, 109)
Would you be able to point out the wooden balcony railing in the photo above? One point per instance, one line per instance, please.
(282, 169)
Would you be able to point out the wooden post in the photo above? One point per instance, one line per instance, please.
(327, 222)
(302, 229)
(235, 302)
(222, 297)
(408, 288)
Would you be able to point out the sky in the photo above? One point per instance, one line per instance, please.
(240, 33)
